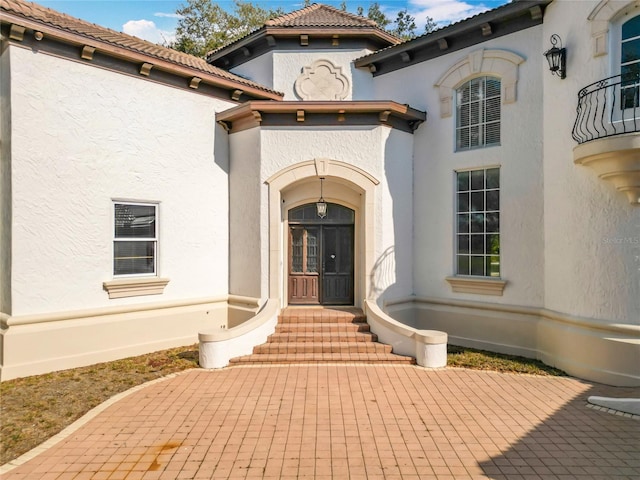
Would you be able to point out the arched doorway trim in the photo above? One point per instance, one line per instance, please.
(349, 177)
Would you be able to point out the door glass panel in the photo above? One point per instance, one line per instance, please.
(344, 254)
(297, 235)
(330, 252)
(312, 250)
(336, 214)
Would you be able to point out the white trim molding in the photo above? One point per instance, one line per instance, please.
(601, 17)
(492, 62)
(134, 287)
(479, 285)
(348, 181)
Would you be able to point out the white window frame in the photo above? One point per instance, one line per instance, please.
(484, 233)
(154, 239)
(482, 122)
(622, 114)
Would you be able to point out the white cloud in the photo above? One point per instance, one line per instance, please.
(444, 12)
(147, 30)
(167, 15)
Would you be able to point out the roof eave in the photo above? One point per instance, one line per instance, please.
(249, 114)
(510, 9)
(284, 32)
(75, 38)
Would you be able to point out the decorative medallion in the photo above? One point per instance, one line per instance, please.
(322, 81)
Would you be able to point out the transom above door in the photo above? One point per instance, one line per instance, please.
(321, 256)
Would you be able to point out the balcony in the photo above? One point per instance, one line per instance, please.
(607, 130)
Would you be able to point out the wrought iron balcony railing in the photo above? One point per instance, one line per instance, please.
(608, 107)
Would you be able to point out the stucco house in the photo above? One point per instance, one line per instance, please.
(147, 196)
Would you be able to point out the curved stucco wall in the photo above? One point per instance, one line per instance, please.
(5, 182)
(380, 151)
(592, 233)
(519, 157)
(82, 136)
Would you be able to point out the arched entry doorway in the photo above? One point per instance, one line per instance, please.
(321, 255)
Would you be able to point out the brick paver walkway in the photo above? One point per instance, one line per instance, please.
(349, 422)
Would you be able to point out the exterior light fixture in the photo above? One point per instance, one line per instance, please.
(557, 57)
(321, 205)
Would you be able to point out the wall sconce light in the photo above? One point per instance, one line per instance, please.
(557, 57)
(321, 205)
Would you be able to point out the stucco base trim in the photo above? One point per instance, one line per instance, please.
(598, 350)
(59, 341)
(481, 286)
(134, 287)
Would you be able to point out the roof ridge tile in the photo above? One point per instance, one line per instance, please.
(318, 8)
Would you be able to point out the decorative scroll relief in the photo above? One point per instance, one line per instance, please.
(322, 80)
(500, 63)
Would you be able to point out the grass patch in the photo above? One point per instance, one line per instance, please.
(36, 408)
(497, 362)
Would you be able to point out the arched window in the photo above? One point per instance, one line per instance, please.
(630, 61)
(478, 113)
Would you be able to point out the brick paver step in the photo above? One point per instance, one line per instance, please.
(322, 335)
(312, 318)
(327, 336)
(322, 347)
(387, 358)
(320, 328)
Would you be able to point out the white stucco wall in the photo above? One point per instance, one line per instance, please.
(382, 152)
(519, 157)
(259, 69)
(245, 194)
(83, 136)
(592, 233)
(280, 69)
(5, 182)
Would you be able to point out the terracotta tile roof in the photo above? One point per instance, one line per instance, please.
(319, 15)
(314, 17)
(45, 16)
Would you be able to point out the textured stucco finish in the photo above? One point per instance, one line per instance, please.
(76, 137)
(245, 187)
(103, 136)
(288, 66)
(260, 153)
(592, 233)
(5, 182)
(280, 69)
(519, 157)
(383, 153)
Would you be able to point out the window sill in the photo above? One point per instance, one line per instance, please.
(479, 285)
(135, 287)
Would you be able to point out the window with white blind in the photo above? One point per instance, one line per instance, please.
(135, 243)
(478, 222)
(478, 113)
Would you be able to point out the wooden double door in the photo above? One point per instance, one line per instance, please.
(321, 260)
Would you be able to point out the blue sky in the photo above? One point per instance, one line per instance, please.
(155, 20)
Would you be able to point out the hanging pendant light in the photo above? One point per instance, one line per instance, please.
(321, 205)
